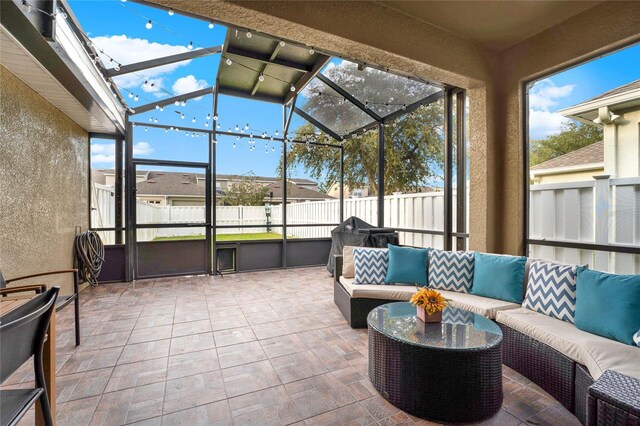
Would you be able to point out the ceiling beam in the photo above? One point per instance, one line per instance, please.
(166, 60)
(231, 50)
(245, 95)
(307, 77)
(318, 124)
(412, 107)
(348, 96)
(171, 101)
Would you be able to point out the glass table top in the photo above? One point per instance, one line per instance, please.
(459, 329)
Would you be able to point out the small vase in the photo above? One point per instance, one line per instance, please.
(423, 316)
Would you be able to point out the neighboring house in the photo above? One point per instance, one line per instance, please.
(187, 189)
(334, 191)
(618, 155)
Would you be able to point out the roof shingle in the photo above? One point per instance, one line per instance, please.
(589, 154)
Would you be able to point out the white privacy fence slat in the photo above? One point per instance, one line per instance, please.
(602, 211)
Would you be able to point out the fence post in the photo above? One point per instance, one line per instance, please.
(602, 202)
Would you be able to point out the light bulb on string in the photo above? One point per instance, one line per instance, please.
(282, 43)
(246, 126)
(273, 149)
(157, 106)
(150, 119)
(155, 120)
(182, 116)
(193, 120)
(26, 6)
(135, 98)
(161, 108)
(228, 61)
(149, 24)
(211, 25)
(261, 77)
(190, 46)
(177, 103)
(130, 95)
(234, 145)
(146, 129)
(184, 103)
(170, 12)
(215, 118)
(117, 67)
(218, 126)
(249, 34)
(292, 88)
(311, 51)
(277, 132)
(208, 116)
(237, 128)
(206, 124)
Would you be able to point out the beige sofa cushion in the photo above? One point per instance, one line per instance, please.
(480, 305)
(597, 353)
(348, 264)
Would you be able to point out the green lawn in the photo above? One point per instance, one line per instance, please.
(228, 237)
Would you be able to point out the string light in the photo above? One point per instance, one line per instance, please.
(215, 118)
(211, 25)
(26, 6)
(228, 61)
(282, 43)
(148, 25)
(190, 46)
(184, 103)
(130, 95)
(177, 103)
(170, 12)
(311, 51)
(193, 120)
(292, 88)
(208, 116)
(261, 77)
(249, 34)
(135, 98)
(246, 126)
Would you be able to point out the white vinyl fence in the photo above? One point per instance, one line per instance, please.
(601, 211)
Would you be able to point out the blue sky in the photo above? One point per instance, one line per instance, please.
(119, 29)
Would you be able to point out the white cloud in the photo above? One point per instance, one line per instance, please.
(545, 123)
(127, 50)
(188, 84)
(543, 97)
(105, 153)
(545, 93)
(142, 148)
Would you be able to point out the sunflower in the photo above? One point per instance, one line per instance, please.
(431, 300)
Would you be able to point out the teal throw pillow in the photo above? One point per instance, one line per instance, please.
(499, 277)
(608, 304)
(407, 265)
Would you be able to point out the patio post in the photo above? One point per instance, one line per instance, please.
(448, 168)
(284, 185)
(341, 183)
(461, 171)
(381, 164)
(118, 185)
(130, 199)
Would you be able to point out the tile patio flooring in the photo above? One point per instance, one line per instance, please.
(254, 348)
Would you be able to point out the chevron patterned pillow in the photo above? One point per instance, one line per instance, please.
(636, 338)
(451, 270)
(370, 265)
(552, 289)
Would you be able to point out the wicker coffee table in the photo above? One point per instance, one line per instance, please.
(449, 371)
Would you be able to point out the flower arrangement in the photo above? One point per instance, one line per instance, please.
(429, 304)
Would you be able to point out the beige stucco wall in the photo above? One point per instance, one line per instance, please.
(373, 33)
(43, 183)
(579, 176)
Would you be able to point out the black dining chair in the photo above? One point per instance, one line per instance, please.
(23, 332)
(63, 300)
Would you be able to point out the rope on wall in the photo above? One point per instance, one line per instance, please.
(89, 255)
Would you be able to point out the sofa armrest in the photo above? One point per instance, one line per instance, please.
(337, 272)
(614, 394)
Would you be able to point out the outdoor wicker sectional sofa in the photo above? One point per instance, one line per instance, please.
(596, 378)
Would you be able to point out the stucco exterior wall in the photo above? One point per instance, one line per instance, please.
(43, 183)
(622, 144)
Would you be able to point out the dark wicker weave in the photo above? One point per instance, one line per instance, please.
(551, 370)
(614, 399)
(583, 381)
(437, 383)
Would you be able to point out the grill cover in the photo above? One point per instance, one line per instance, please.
(357, 232)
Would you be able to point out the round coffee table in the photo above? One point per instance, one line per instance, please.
(449, 371)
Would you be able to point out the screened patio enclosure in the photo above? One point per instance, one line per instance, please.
(337, 103)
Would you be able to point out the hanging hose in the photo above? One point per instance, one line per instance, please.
(89, 254)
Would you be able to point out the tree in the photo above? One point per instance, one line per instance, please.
(245, 191)
(414, 147)
(573, 135)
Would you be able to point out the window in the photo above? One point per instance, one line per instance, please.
(584, 164)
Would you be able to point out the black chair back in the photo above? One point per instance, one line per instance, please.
(3, 283)
(23, 331)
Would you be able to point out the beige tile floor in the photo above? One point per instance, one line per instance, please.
(255, 348)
